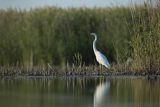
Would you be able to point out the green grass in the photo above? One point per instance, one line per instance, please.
(61, 37)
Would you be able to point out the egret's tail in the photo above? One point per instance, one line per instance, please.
(108, 66)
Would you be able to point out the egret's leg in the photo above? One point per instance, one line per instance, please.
(100, 67)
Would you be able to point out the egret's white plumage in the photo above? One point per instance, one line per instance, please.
(101, 59)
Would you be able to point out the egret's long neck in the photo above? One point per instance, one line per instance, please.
(94, 43)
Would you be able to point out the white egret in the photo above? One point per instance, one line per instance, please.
(101, 59)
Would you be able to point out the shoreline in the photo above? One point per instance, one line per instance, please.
(129, 74)
(150, 78)
(74, 71)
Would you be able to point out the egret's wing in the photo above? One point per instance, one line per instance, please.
(102, 59)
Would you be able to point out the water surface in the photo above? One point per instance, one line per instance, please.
(79, 92)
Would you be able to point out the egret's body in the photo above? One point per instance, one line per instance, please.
(101, 59)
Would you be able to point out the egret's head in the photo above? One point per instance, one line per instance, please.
(93, 34)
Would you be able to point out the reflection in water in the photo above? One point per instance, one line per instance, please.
(78, 92)
(100, 94)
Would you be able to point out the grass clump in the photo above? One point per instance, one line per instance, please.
(146, 38)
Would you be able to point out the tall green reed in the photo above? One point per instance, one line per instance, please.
(55, 36)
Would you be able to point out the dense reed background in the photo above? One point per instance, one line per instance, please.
(62, 36)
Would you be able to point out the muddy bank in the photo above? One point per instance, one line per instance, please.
(76, 71)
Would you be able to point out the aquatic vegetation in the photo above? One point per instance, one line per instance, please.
(129, 37)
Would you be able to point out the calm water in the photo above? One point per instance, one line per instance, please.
(79, 92)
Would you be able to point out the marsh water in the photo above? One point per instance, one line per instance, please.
(79, 92)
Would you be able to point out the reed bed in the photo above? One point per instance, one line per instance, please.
(128, 36)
